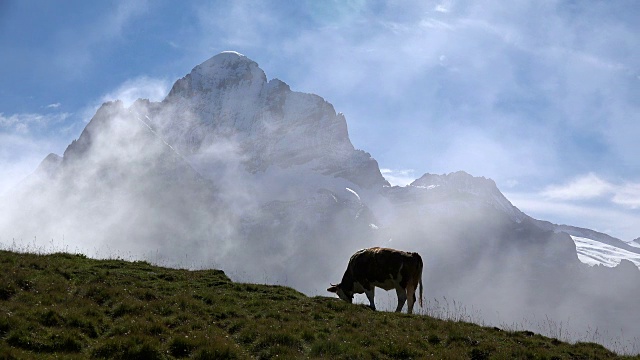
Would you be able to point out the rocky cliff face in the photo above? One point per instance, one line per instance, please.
(471, 191)
(228, 99)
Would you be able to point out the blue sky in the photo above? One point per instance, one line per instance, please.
(541, 96)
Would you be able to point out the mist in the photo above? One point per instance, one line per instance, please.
(270, 189)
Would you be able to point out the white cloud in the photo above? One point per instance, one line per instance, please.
(593, 187)
(139, 88)
(128, 92)
(53, 106)
(23, 123)
(601, 216)
(20, 154)
(628, 195)
(584, 187)
(398, 177)
(587, 201)
(443, 7)
(27, 138)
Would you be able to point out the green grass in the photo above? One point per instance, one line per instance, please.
(72, 307)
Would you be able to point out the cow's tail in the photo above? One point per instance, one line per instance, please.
(420, 284)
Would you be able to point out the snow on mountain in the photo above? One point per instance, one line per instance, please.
(595, 247)
(594, 252)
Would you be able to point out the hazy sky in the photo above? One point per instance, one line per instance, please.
(541, 96)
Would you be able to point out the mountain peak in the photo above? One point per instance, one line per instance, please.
(226, 70)
(229, 97)
(227, 62)
(458, 179)
(482, 188)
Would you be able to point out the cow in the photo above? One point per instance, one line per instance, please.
(385, 268)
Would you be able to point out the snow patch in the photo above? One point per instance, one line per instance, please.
(430, 187)
(593, 252)
(232, 52)
(354, 193)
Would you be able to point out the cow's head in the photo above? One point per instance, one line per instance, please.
(342, 294)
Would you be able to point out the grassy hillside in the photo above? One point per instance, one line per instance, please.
(69, 306)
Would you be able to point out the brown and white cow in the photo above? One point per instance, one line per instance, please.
(385, 268)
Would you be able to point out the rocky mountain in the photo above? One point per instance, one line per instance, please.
(441, 193)
(228, 98)
(235, 171)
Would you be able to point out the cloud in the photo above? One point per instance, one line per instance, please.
(139, 88)
(27, 138)
(20, 154)
(521, 72)
(443, 7)
(606, 215)
(398, 177)
(586, 201)
(628, 195)
(53, 106)
(143, 87)
(593, 187)
(24, 123)
(588, 186)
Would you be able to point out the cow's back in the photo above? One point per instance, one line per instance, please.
(376, 265)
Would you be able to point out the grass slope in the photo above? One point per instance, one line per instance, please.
(69, 306)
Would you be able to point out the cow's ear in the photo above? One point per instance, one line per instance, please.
(333, 288)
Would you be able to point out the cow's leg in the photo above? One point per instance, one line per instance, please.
(402, 298)
(370, 293)
(411, 294)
